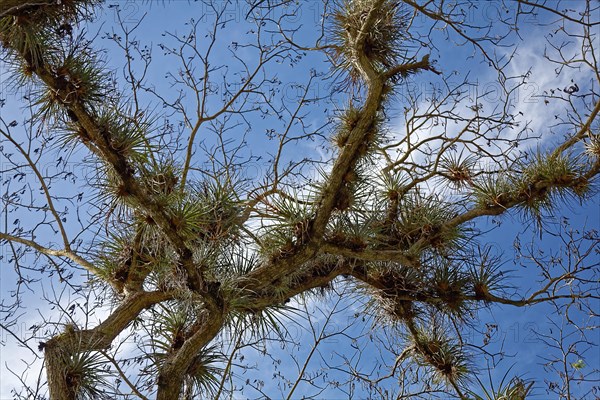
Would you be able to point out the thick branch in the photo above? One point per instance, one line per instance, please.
(583, 131)
(540, 189)
(410, 68)
(61, 348)
(398, 256)
(345, 163)
(312, 277)
(174, 370)
(99, 141)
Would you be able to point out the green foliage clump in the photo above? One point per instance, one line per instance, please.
(536, 185)
(513, 389)
(546, 181)
(123, 137)
(399, 303)
(432, 348)
(493, 189)
(448, 283)
(592, 147)
(31, 30)
(161, 179)
(382, 42)
(86, 375)
(350, 231)
(347, 122)
(458, 170)
(289, 225)
(172, 326)
(423, 217)
(486, 276)
(222, 206)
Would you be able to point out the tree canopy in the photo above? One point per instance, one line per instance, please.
(190, 190)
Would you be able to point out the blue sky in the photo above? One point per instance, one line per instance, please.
(513, 323)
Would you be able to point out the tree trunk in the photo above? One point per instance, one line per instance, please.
(56, 370)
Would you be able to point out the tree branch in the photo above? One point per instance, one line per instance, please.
(70, 254)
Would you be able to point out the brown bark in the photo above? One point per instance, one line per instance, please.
(61, 347)
(258, 283)
(56, 368)
(345, 163)
(173, 371)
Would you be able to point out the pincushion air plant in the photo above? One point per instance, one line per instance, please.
(196, 240)
(508, 388)
(382, 45)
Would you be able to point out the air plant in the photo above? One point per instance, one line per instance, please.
(546, 179)
(592, 146)
(448, 283)
(422, 217)
(458, 170)
(432, 348)
(381, 44)
(513, 389)
(486, 276)
(86, 375)
(493, 189)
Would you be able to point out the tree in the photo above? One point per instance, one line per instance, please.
(174, 254)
